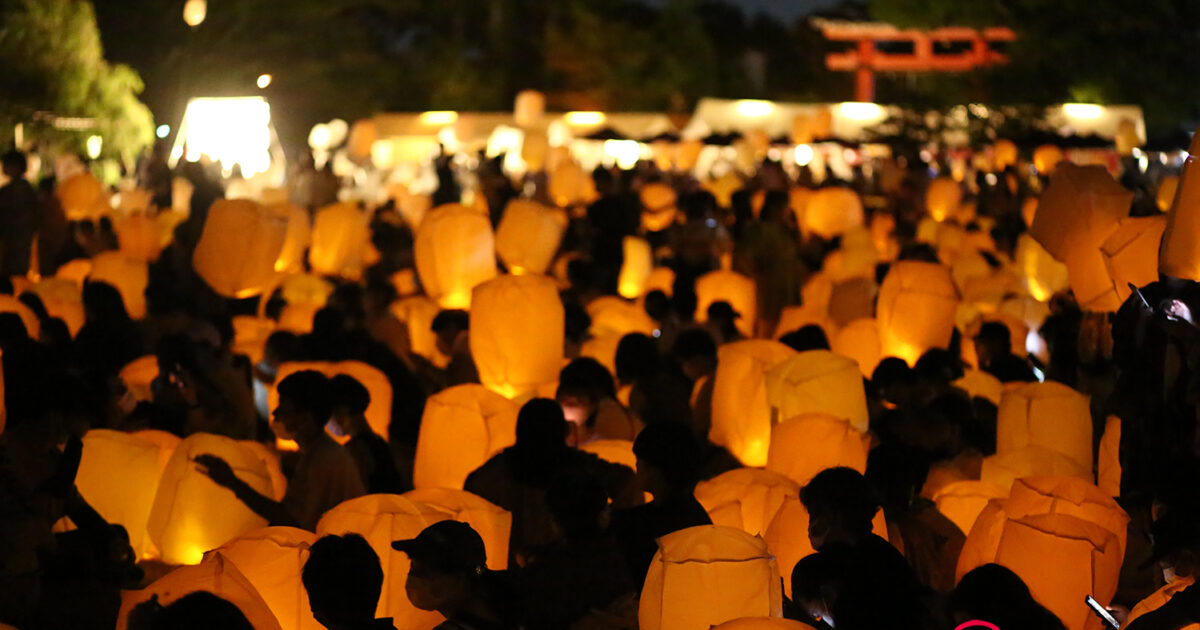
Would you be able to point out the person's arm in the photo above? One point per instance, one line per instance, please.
(222, 474)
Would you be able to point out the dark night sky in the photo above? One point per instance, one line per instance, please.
(786, 10)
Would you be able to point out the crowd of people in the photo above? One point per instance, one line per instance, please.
(585, 531)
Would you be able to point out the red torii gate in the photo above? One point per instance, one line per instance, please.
(865, 60)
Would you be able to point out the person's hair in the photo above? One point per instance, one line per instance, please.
(310, 391)
(810, 337)
(15, 163)
(995, 333)
(348, 392)
(585, 376)
(343, 578)
(694, 343)
(670, 447)
(284, 345)
(656, 304)
(104, 301)
(451, 318)
(200, 610)
(995, 594)
(892, 371)
(636, 358)
(939, 366)
(576, 500)
(541, 426)
(843, 491)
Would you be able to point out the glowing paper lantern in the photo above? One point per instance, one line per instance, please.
(859, 340)
(1046, 158)
(817, 382)
(1131, 251)
(138, 374)
(491, 522)
(454, 251)
(1063, 559)
(296, 239)
(1047, 414)
(272, 560)
(832, 211)
(962, 501)
(1067, 495)
(1077, 212)
(379, 410)
(732, 287)
(217, 576)
(340, 234)
(83, 197)
(916, 309)
(62, 299)
(417, 312)
(239, 246)
(805, 445)
(612, 315)
(1003, 469)
(1160, 597)
(570, 185)
(128, 276)
(192, 514)
(942, 198)
(1044, 276)
(787, 536)
(1127, 138)
(528, 107)
(745, 498)
(1165, 195)
(10, 304)
(528, 236)
(707, 575)
(1180, 254)
(762, 623)
(980, 384)
(614, 451)
(636, 267)
(795, 317)
(517, 334)
(658, 206)
(75, 271)
(741, 417)
(380, 519)
(461, 428)
(270, 460)
(141, 237)
(1108, 464)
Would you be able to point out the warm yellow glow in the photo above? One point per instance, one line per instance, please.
(584, 119)
(1085, 111)
(861, 111)
(438, 118)
(456, 299)
(95, 144)
(754, 109)
(625, 152)
(289, 446)
(804, 154)
(319, 137)
(383, 154)
(263, 81)
(230, 131)
(194, 12)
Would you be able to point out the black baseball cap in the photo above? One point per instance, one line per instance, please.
(451, 546)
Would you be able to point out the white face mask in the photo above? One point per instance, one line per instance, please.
(1168, 574)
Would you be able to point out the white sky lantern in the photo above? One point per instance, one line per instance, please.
(804, 154)
(585, 119)
(1085, 111)
(319, 137)
(438, 118)
(264, 81)
(754, 109)
(229, 130)
(194, 12)
(624, 152)
(95, 144)
(862, 111)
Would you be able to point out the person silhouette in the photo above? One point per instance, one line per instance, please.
(344, 579)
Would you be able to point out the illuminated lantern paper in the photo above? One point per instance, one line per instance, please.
(1127, 138)
(83, 197)
(614, 451)
(805, 445)
(787, 536)
(1043, 275)
(379, 410)
(817, 382)
(534, 148)
(859, 340)
(1046, 158)
(762, 623)
(239, 246)
(610, 314)
(741, 417)
(297, 318)
(1004, 154)
(141, 237)
(636, 267)
(1180, 253)
(745, 498)
(363, 134)
(10, 304)
(455, 251)
(138, 374)
(570, 185)
(128, 276)
(1165, 195)
(661, 279)
(1160, 597)
(217, 576)
(1108, 464)
(528, 107)
(1062, 559)
(798, 199)
(62, 299)
(1077, 212)
(962, 501)
(658, 206)
(796, 317)
(270, 460)
(832, 211)
(916, 309)
(192, 514)
(1131, 251)
(983, 538)
(491, 522)
(707, 575)
(340, 235)
(528, 236)
(516, 334)
(1067, 495)
(1047, 414)
(250, 336)
(272, 560)
(296, 239)
(417, 312)
(942, 198)
(75, 271)
(461, 428)
(732, 287)
(381, 519)
(1003, 469)
(980, 384)
(306, 289)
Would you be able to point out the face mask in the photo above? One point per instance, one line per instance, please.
(1168, 574)
(334, 429)
(260, 399)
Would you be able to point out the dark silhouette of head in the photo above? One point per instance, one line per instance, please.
(577, 501)
(810, 337)
(541, 427)
(449, 561)
(343, 578)
(103, 304)
(637, 357)
(15, 164)
(305, 403)
(667, 458)
(840, 506)
(995, 594)
(200, 610)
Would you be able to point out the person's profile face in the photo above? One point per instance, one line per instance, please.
(285, 422)
(429, 588)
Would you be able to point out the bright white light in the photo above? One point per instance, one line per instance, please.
(194, 12)
(754, 109)
(625, 152)
(504, 139)
(438, 118)
(1085, 111)
(230, 131)
(861, 111)
(991, 179)
(804, 154)
(95, 144)
(383, 154)
(319, 137)
(448, 139)
(263, 81)
(584, 119)
(163, 131)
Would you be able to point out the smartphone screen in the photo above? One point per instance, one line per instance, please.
(1102, 612)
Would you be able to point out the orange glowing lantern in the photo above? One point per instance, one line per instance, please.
(83, 197)
(787, 536)
(1004, 469)
(1004, 153)
(461, 428)
(1159, 598)
(192, 514)
(658, 206)
(516, 334)
(795, 317)
(805, 445)
(340, 234)
(1046, 157)
(741, 417)
(1047, 414)
(128, 276)
(272, 560)
(1180, 253)
(528, 107)
(217, 576)
(570, 185)
(1044, 276)
(417, 312)
(832, 211)
(859, 340)
(612, 315)
(979, 384)
(491, 522)
(75, 271)
(379, 410)
(731, 287)
(817, 382)
(942, 198)
(62, 299)
(962, 501)
(1165, 195)
(707, 575)
(455, 251)
(1067, 495)
(1131, 252)
(1108, 464)
(239, 246)
(636, 267)
(141, 237)
(614, 451)
(528, 236)
(916, 309)
(745, 498)
(138, 374)
(296, 239)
